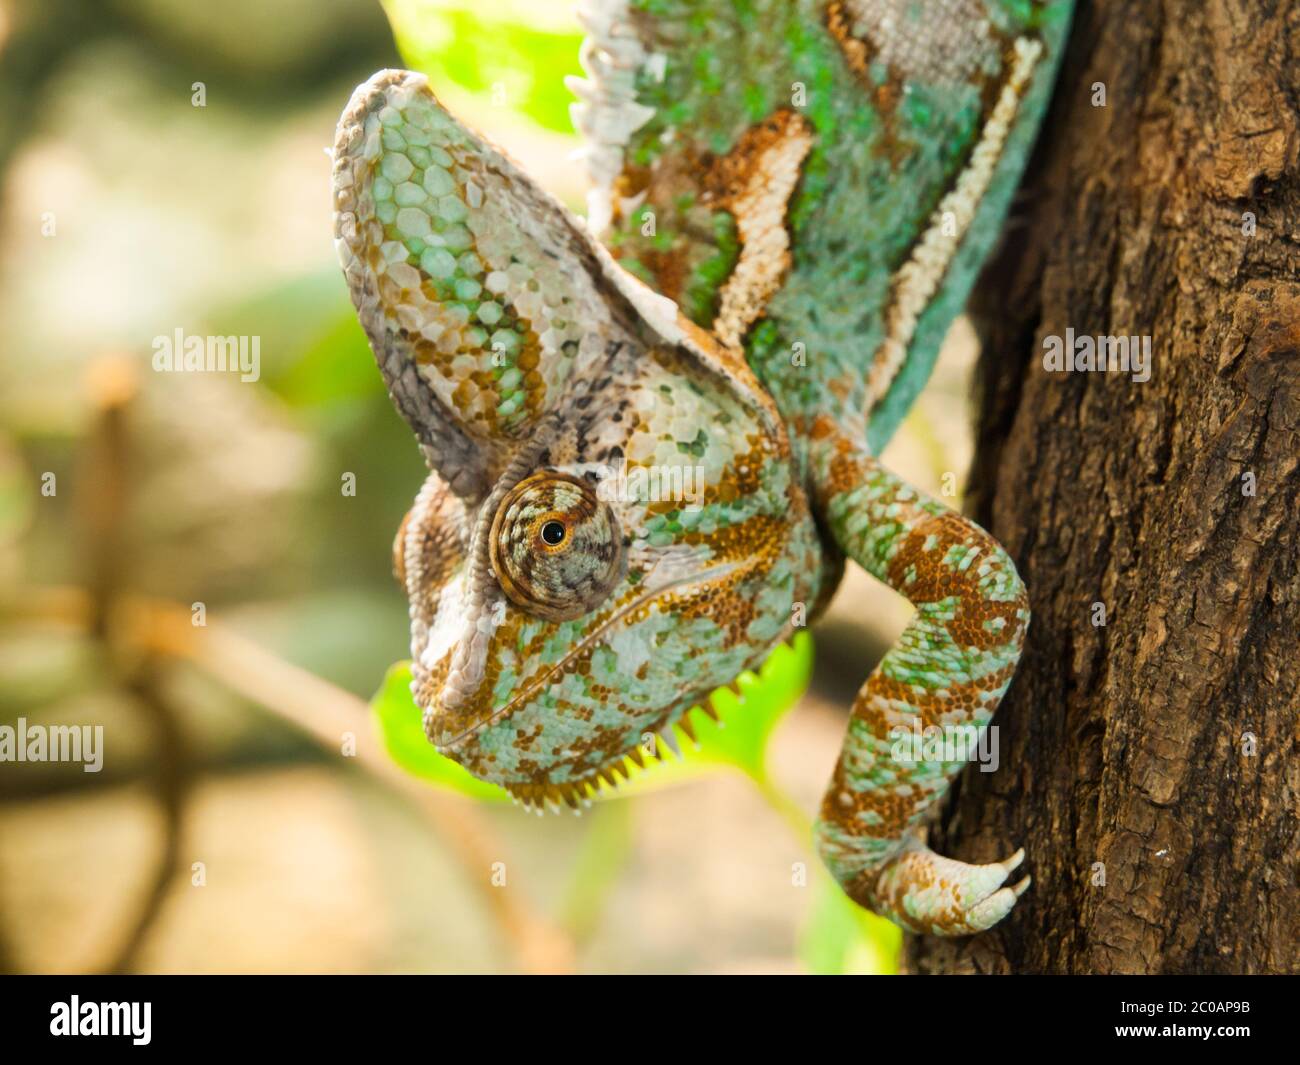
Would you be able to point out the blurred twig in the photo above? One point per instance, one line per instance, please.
(103, 500)
(8, 964)
(326, 714)
(174, 777)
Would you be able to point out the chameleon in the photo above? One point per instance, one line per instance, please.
(790, 201)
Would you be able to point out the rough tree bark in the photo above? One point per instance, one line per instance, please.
(1161, 747)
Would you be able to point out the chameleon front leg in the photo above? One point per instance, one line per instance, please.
(949, 669)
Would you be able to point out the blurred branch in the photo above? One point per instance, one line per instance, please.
(101, 488)
(8, 963)
(174, 778)
(102, 505)
(325, 713)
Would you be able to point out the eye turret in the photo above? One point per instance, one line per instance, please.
(555, 548)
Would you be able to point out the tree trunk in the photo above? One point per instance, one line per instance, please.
(1149, 763)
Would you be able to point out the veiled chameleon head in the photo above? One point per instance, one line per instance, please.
(613, 526)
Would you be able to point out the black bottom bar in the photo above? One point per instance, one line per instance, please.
(338, 1014)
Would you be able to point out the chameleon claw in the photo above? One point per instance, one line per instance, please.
(989, 911)
(926, 892)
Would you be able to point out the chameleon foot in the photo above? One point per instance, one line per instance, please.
(925, 892)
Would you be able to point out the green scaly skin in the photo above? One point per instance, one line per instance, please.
(629, 504)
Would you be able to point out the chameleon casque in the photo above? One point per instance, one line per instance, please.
(791, 200)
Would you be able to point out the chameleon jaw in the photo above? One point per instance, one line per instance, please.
(449, 745)
(609, 777)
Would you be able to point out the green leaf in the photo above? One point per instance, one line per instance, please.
(515, 51)
(746, 723)
(839, 937)
(314, 352)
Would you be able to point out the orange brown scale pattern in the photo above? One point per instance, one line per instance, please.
(688, 596)
(948, 672)
(478, 296)
(564, 603)
(859, 52)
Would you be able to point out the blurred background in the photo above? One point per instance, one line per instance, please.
(183, 564)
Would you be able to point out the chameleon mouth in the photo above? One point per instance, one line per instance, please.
(608, 779)
(447, 742)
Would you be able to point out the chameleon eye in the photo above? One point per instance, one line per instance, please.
(555, 548)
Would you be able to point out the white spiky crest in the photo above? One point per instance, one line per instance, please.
(608, 112)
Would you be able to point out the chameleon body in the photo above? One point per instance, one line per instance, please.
(652, 435)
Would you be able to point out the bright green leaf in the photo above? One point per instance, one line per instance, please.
(516, 52)
(747, 723)
(840, 937)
